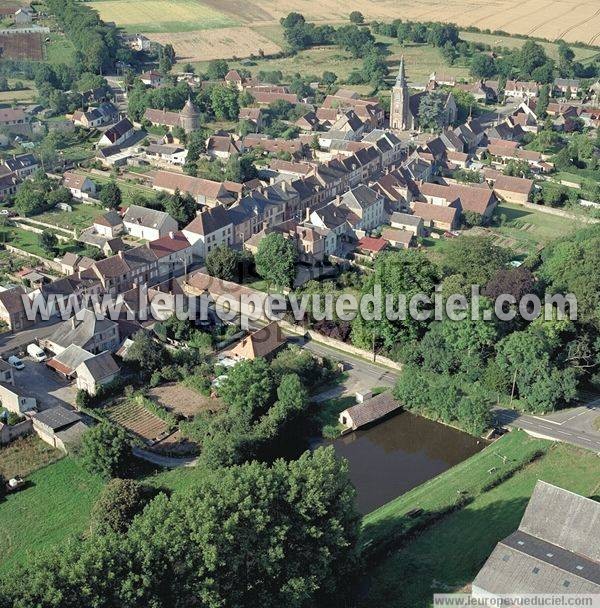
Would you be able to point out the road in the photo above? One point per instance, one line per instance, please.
(574, 426)
(369, 374)
(11, 343)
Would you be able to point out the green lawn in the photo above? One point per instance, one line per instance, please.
(81, 217)
(530, 229)
(30, 242)
(447, 556)
(54, 507)
(420, 59)
(127, 188)
(59, 50)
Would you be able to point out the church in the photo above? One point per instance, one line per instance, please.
(404, 107)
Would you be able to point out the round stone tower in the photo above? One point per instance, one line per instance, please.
(189, 117)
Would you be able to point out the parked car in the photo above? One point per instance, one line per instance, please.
(16, 362)
(36, 353)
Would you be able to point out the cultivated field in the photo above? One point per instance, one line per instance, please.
(21, 46)
(162, 15)
(137, 419)
(207, 44)
(211, 29)
(180, 399)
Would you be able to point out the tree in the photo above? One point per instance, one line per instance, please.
(407, 273)
(181, 207)
(224, 102)
(223, 262)
(329, 79)
(432, 111)
(514, 281)
(146, 353)
(105, 450)
(110, 195)
(120, 501)
(249, 388)
(48, 242)
(543, 101)
(217, 69)
(474, 257)
(276, 260)
(357, 18)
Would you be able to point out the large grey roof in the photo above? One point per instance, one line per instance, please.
(72, 356)
(144, 216)
(80, 329)
(563, 518)
(101, 366)
(555, 550)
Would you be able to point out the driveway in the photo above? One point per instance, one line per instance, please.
(49, 389)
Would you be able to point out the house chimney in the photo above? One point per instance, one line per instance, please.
(307, 217)
(120, 254)
(171, 235)
(73, 321)
(284, 186)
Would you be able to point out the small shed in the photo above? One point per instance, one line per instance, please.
(371, 410)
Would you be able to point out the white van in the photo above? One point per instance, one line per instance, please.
(36, 353)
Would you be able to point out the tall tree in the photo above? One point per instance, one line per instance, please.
(276, 260)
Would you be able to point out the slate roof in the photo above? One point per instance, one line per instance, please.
(144, 216)
(100, 366)
(209, 221)
(80, 329)
(68, 361)
(556, 548)
(12, 299)
(57, 418)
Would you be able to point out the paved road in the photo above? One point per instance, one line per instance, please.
(371, 374)
(574, 426)
(14, 342)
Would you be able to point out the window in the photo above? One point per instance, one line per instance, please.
(536, 570)
(566, 583)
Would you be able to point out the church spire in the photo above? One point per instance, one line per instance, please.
(401, 78)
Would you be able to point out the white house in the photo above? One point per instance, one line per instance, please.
(109, 225)
(14, 400)
(148, 224)
(117, 134)
(209, 229)
(80, 186)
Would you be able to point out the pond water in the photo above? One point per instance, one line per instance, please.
(399, 454)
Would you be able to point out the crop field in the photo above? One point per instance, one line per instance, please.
(137, 419)
(149, 16)
(22, 46)
(218, 43)
(573, 20)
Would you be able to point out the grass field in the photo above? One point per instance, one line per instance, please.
(25, 455)
(56, 505)
(149, 16)
(81, 217)
(447, 556)
(530, 229)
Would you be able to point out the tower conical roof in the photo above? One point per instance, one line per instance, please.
(189, 109)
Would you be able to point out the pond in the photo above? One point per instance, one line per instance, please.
(399, 454)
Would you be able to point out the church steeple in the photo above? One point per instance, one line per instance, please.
(401, 78)
(400, 114)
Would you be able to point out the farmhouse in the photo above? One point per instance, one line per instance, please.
(86, 331)
(513, 189)
(436, 216)
(66, 362)
(407, 222)
(203, 191)
(109, 225)
(402, 239)
(264, 342)
(555, 549)
(15, 400)
(12, 309)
